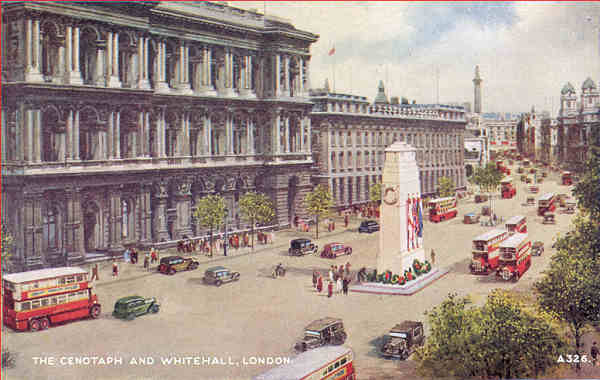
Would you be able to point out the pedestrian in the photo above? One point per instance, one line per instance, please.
(314, 278)
(331, 273)
(147, 261)
(338, 285)
(348, 268)
(329, 289)
(345, 285)
(115, 268)
(594, 354)
(432, 257)
(335, 272)
(341, 271)
(127, 255)
(153, 255)
(319, 283)
(95, 273)
(346, 220)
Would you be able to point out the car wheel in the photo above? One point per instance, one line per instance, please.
(34, 325)
(154, 308)
(130, 316)
(44, 323)
(172, 271)
(349, 251)
(193, 266)
(218, 283)
(95, 311)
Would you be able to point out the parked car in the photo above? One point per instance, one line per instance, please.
(218, 275)
(333, 250)
(173, 264)
(322, 332)
(133, 306)
(538, 248)
(480, 198)
(403, 339)
(368, 226)
(299, 247)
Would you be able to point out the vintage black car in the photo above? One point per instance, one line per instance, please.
(299, 247)
(368, 226)
(173, 264)
(218, 275)
(322, 332)
(403, 339)
(133, 306)
(537, 248)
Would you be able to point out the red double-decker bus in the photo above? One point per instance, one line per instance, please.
(322, 363)
(546, 203)
(442, 209)
(36, 299)
(515, 257)
(516, 224)
(485, 251)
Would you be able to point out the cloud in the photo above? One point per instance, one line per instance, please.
(526, 51)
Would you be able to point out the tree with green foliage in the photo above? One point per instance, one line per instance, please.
(587, 190)
(256, 208)
(570, 287)
(498, 340)
(210, 213)
(7, 248)
(375, 193)
(446, 187)
(488, 179)
(319, 203)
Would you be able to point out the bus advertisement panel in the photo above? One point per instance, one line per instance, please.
(515, 257)
(36, 299)
(442, 209)
(322, 363)
(486, 251)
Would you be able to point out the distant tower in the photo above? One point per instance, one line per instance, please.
(477, 82)
(326, 86)
(381, 98)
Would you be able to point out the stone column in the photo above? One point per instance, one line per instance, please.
(276, 71)
(287, 133)
(115, 236)
(249, 135)
(159, 67)
(286, 75)
(208, 135)
(183, 85)
(309, 135)
(183, 199)
(32, 51)
(141, 138)
(160, 133)
(4, 135)
(143, 81)
(159, 213)
(99, 79)
(147, 127)
(145, 214)
(276, 132)
(229, 132)
(301, 89)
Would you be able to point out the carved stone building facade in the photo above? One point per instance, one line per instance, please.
(117, 118)
(350, 136)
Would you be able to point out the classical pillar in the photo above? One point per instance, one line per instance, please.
(183, 85)
(32, 51)
(249, 135)
(145, 213)
(160, 67)
(308, 147)
(183, 199)
(4, 135)
(117, 133)
(183, 137)
(147, 127)
(287, 137)
(208, 135)
(143, 81)
(277, 75)
(37, 135)
(276, 132)
(112, 60)
(229, 132)
(159, 212)
(286, 75)
(99, 79)
(141, 138)
(115, 235)
(301, 90)
(302, 135)
(159, 140)
(246, 85)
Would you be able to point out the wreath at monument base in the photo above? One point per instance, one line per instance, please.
(410, 274)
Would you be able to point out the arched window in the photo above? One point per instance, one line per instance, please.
(50, 228)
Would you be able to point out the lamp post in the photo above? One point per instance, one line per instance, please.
(226, 242)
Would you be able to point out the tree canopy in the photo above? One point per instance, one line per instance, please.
(487, 178)
(375, 192)
(497, 340)
(210, 213)
(587, 190)
(7, 247)
(256, 208)
(319, 203)
(446, 187)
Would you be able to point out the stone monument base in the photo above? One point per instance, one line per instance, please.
(407, 289)
(399, 262)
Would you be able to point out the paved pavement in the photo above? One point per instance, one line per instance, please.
(259, 317)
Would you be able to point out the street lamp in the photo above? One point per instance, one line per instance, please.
(226, 242)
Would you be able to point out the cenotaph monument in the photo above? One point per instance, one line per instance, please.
(401, 232)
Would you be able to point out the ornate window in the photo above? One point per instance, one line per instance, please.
(125, 218)
(50, 228)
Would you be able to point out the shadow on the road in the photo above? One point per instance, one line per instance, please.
(196, 281)
(461, 267)
(375, 348)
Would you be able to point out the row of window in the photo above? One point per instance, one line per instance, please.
(373, 138)
(336, 365)
(376, 159)
(51, 301)
(53, 282)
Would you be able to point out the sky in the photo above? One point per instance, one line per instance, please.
(526, 51)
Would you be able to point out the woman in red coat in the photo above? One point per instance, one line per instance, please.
(320, 283)
(329, 289)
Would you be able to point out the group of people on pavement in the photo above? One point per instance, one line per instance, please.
(338, 280)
